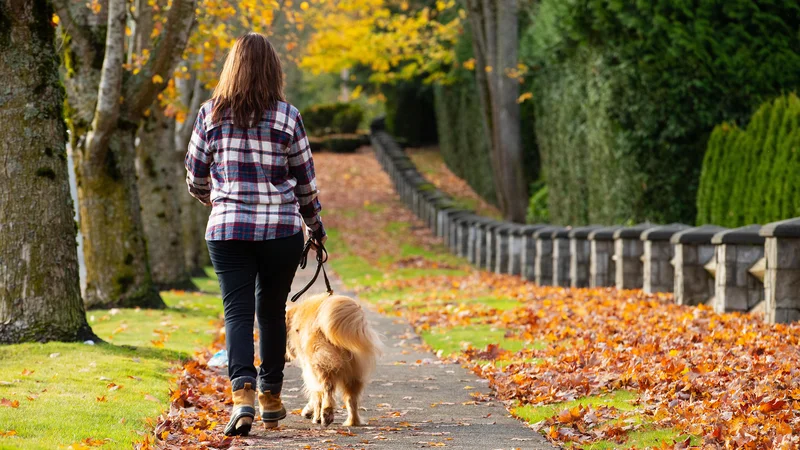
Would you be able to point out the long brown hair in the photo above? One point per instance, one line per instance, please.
(251, 81)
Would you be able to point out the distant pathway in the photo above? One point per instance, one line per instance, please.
(409, 404)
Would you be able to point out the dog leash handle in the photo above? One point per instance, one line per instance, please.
(322, 257)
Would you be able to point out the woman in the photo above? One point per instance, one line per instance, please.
(249, 159)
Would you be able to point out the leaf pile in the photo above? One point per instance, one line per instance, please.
(729, 379)
(198, 412)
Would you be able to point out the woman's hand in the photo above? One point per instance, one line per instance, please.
(315, 240)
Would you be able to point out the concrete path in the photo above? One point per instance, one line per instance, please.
(414, 401)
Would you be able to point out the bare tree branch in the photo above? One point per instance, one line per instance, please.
(107, 110)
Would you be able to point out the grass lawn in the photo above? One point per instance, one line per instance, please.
(69, 393)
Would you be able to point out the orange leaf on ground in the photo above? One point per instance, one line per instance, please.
(9, 403)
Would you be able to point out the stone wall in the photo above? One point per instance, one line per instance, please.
(749, 269)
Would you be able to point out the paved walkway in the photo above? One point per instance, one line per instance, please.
(414, 401)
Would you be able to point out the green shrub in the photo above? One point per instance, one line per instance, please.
(627, 93)
(463, 135)
(410, 114)
(750, 176)
(344, 143)
(348, 119)
(330, 118)
(538, 209)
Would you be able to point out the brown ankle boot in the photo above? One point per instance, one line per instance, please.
(272, 409)
(243, 412)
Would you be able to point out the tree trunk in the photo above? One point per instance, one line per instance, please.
(39, 292)
(194, 216)
(495, 30)
(118, 274)
(159, 189)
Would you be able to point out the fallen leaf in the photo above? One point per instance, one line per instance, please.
(9, 403)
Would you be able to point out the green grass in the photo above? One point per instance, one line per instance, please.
(621, 399)
(68, 378)
(647, 436)
(452, 340)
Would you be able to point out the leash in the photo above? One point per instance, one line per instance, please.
(322, 258)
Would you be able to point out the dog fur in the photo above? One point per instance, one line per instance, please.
(332, 342)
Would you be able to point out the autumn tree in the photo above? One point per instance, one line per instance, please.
(39, 293)
(105, 105)
(400, 43)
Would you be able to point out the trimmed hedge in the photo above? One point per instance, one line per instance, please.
(463, 135)
(410, 115)
(332, 118)
(627, 94)
(463, 139)
(751, 175)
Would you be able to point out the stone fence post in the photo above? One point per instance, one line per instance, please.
(503, 251)
(659, 275)
(602, 266)
(739, 279)
(561, 257)
(580, 255)
(463, 224)
(694, 284)
(528, 256)
(453, 221)
(474, 239)
(543, 262)
(782, 279)
(482, 242)
(628, 251)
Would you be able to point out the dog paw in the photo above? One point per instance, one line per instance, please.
(352, 422)
(308, 412)
(316, 419)
(327, 416)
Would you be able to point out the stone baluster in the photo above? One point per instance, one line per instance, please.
(602, 265)
(694, 284)
(658, 273)
(507, 248)
(543, 265)
(739, 277)
(528, 256)
(580, 255)
(453, 221)
(561, 257)
(782, 277)
(628, 251)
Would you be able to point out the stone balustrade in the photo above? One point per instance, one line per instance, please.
(746, 269)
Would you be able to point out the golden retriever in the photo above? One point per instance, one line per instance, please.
(332, 342)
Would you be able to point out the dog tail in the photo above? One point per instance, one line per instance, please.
(343, 322)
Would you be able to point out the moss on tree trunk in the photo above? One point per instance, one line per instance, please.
(39, 293)
(157, 167)
(117, 269)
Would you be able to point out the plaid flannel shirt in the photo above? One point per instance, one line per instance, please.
(259, 180)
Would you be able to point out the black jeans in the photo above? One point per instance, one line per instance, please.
(255, 279)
